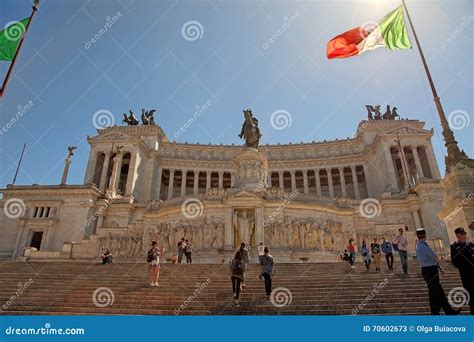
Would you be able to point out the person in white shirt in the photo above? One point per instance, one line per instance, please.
(400, 243)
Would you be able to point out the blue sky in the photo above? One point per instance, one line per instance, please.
(144, 61)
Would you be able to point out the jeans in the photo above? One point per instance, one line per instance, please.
(352, 258)
(268, 283)
(180, 255)
(389, 258)
(404, 260)
(189, 260)
(236, 286)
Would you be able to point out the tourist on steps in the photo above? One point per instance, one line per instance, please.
(267, 270)
(245, 257)
(364, 251)
(237, 274)
(400, 244)
(387, 250)
(181, 246)
(153, 258)
(430, 269)
(188, 250)
(352, 253)
(462, 257)
(375, 248)
(106, 257)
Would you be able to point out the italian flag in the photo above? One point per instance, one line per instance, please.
(390, 32)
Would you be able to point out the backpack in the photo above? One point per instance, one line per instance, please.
(238, 268)
(149, 255)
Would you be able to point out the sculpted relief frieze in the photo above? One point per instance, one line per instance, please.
(309, 233)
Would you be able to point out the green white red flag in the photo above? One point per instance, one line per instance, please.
(390, 32)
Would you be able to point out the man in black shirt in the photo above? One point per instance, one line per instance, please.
(462, 257)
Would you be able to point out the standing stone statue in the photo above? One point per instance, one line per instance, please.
(67, 162)
(250, 131)
(242, 224)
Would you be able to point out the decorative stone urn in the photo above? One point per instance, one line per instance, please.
(252, 170)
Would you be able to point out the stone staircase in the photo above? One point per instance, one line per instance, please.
(62, 288)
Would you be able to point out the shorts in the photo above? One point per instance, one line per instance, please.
(155, 264)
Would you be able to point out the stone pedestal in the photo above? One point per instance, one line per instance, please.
(458, 204)
(251, 170)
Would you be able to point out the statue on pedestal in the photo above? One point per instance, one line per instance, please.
(250, 131)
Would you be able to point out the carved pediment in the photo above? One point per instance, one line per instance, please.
(113, 136)
(406, 130)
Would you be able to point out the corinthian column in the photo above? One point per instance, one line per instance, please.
(184, 174)
(196, 183)
(318, 182)
(343, 180)
(105, 169)
(114, 179)
(355, 182)
(305, 181)
(331, 186)
(293, 181)
(171, 184)
(416, 157)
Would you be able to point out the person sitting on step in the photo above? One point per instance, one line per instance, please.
(106, 257)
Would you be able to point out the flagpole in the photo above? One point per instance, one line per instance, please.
(19, 163)
(12, 64)
(455, 155)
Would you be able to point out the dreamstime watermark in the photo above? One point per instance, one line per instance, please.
(200, 287)
(458, 119)
(461, 205)
(199, 110)
(280, 208)
(14, 30)
(464, 23)
(14, 208)
(281, 119)
(103, 118)
(20, 290)
(99, 212)
(458, 297)
(192, 30)
(103, 296)
(281, 296)
(287, 21)
(192, 208)
(109, 22)
(46, 330)
(375, 291)
(370, 208)
(21, 110)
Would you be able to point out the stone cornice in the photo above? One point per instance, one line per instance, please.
(51, 190)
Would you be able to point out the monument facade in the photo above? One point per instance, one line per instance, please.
(303, 200)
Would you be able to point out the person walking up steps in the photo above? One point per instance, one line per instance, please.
(237, 274)
(267, 270)
(387, 251)
(400, 244)
(245, 257)
(364, 251)
(351, 251)
(375, 248)
(153, 259)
